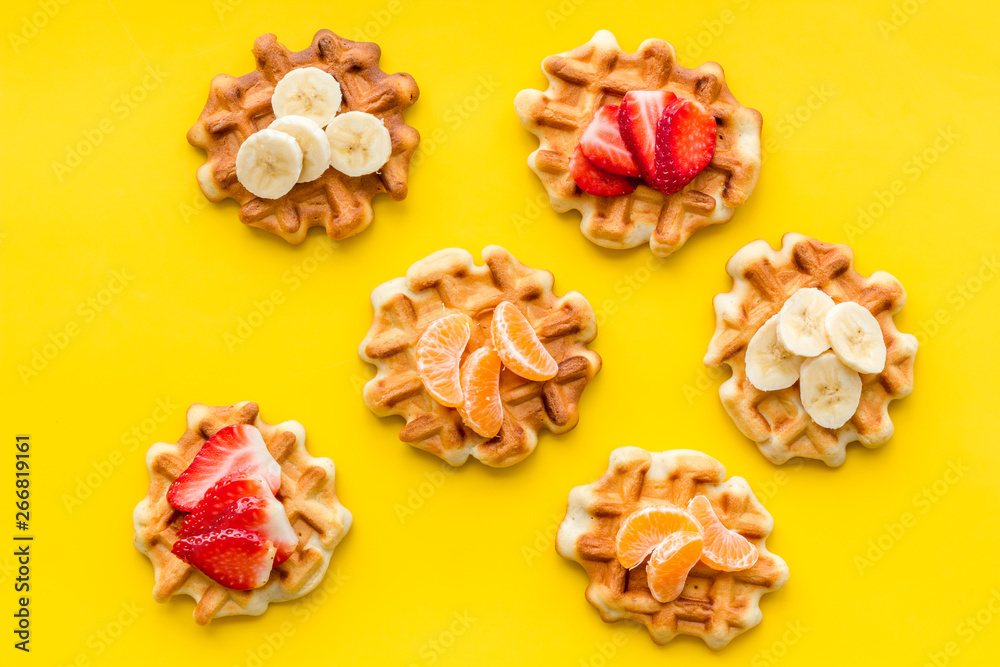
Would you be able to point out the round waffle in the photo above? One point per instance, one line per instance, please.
(588, 77)
(307, 493)
(715, 606)
(763, 279)
(239, 106)
(450, 282)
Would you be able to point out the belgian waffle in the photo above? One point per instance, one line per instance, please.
(599, 73)
(448, 282)
(239, 106)
(307, 493)
(762, 280)
(715, 606)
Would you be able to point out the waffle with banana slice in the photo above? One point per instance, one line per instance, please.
(714, 605)
(599, 73)
(449, 282)
(307, 494)
(369, 127)
(816, 357)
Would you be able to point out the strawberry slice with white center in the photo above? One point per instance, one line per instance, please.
(237, 448)
(603, 145)
(638, 116)
(685, 144)
(596, 181)
(236, 559)
(264, 516)
(217, 500)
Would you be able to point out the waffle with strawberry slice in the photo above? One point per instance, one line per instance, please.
(646, 150)
(238, 514)
(478, 359)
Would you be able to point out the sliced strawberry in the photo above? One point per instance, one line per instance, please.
(216, 500)
(264, 516)
(237, 448)
(638, 115)
(595, 181)
(237, 559)
(602, 144)
(685, 144)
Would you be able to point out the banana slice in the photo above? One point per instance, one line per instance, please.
(801, 322)
(856, 337)
(830, 391)
(313, 142)
(309, 92)
(359, 143)
(769, 365)
(268, 163)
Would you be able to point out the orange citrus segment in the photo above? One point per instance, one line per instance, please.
(725, 549)
(518, 345)
(643, 530)
(668, 566)
(481, 408)
(439, 352)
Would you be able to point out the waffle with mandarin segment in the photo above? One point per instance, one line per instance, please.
(307, 493)
(763, 279)
(598, 73)
(450, 282)
(715, 606)
(239, 106)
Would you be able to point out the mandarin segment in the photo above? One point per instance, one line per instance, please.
(518, 346)
(642, 531)
(670, 562)
(439, 355)
(481, 408)
(725, 549)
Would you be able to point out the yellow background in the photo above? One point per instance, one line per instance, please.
(852, 94)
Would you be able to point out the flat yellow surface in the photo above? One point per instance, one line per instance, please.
(124, 291)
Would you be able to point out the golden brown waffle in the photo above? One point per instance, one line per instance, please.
(598, 73)
(449, 282)
(307, 493)
(763, 279)
(714, 605)
(239, 106)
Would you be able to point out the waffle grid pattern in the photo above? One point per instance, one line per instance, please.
(307, 493)
(448, 282)
(599, 73)
(715, 606)
(239, 106)
(763, 279)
